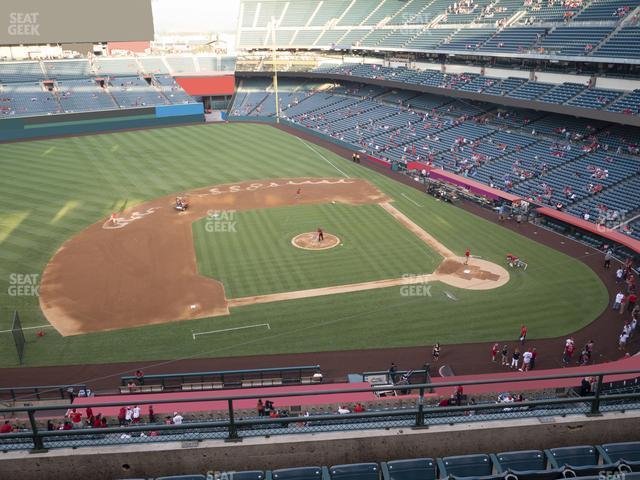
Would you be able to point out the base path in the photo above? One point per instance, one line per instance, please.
(141, 269)
(478, 274)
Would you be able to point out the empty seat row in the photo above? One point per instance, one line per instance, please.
(614, 460)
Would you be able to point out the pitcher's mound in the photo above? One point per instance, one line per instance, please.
(309, 241)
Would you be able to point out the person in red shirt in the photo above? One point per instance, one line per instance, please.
(523, 334)
(6, 427)
(494, 351)
(358, 408)
(467, 254)
(122, 414)
(631, 301)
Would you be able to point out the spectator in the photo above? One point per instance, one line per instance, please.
(260, 408)
(607, 259)
(494, 351)
(152, 415)
(515, 358)
(505, 355)
(135, 415)
(128, 416)
(618, 301)
(436, 352)
(177, 418)
(534, 355)
(76, 418)
(358, 408)
(140, 377)
(526, 361)
(6, 427)
(622, 341)
(392, 373)
(343, 410)
(631, 301)
(268, 407)
(523, 334)
(458, 394)
(567, 354)
(50, 426)
(122, 415)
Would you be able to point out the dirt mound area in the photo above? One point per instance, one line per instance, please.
(477, 275)
(459, 269)
(309, 241)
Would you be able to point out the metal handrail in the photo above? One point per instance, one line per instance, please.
(221, 373)
(232, 425)
(373, 389)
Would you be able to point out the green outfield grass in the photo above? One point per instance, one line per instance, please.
(58, 187)
(258, 257)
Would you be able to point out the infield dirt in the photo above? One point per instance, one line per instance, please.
(139, 268)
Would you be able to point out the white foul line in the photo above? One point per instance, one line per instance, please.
(415, 203)
(230, 329)
(323, 157)
(28, 328)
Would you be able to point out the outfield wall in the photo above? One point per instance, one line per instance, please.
(27, 128)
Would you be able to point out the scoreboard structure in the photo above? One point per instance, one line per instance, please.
(41, 22)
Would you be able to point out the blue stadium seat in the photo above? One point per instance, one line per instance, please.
(526, 465)
(300, 473)
(248, 475)
(355, 471)
(183, 477)
(463, 466)
(521, 460)
(413, 469)
(627, 452)
(581, 460)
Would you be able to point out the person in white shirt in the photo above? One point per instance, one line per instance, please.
(128, 416)
(343, 410)
(617, 303)
(622, 341)
(177, 418)
(526, 361)
(136, 414)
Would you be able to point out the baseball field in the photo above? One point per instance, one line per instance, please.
(227, 278)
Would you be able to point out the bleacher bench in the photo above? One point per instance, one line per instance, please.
(311, 379)
(142, 389)
(262, 382)
(187, 387)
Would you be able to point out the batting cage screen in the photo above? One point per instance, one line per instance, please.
(18, 335)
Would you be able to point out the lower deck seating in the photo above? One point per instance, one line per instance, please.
(135, 92)
(544, 157)
(27, 99)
